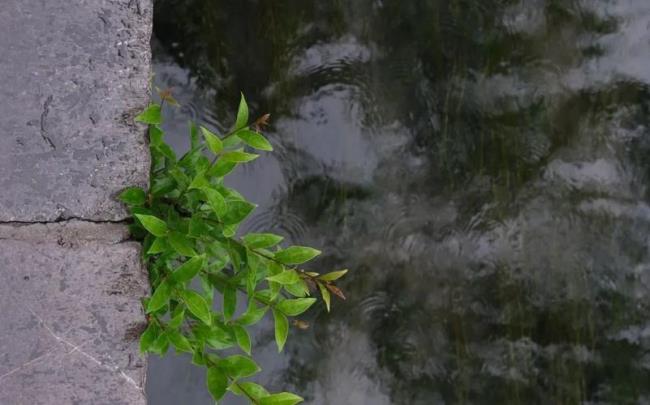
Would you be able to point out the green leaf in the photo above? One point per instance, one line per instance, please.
(197, 306)
(216, 201)
(243, 338)
(217, 382)
(298, 289)
(296, 254)
(335, 275)
(281, 329)
(296, 306)
(221, 168)
(148, 337)
(286, 277)
(159, 245)
(282, 398)
(249, 389)
(239, 366)
(237, 156)
(238, 210)
(254, 139)
(154, 225)
(181, 244)
(242, 113)
(199, 181)
(160, 345)
(160, 297)
(230, 230)
(194, 136)
(151, 115)
(214, 143)
(189, 269)
(261, 240)
(180, 342)
(326, 295)
(155, 135)
(133, 196)
(198, 227)
(229, 302)
(177, 318)
(252, 315)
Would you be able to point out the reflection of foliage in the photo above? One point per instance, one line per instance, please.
(504, 268)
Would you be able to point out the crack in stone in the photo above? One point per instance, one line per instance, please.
(65, 219)
(74, 348)
(44, 114)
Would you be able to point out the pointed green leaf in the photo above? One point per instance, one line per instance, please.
(237, 156)
(133, 196)
(261, 240)
(229, 302)
(217, 382)
(160, 345)
(249, 389)
(148, 337)
(216, 201)
(221, 168)
(238, 210)
(296, 306)
(160, 297)
(155, 135)
(286, 277)
(242, 113)
(335, 275)
(254, 139)
(178, 317)
(298, 289)
(198, 228)
(283, 398)
(194, 136)
(159, 245)
(281, 329)
(197, 306)
(181, 244)
(239, 366)
(243, 338)
(180, 342)
(326, 295)
(199, 181)
(252, 315)
(151, 115)
(154, 225)
(214, 142)
(189, 269)
(296, 254)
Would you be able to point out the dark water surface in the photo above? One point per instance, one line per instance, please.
(480, 166)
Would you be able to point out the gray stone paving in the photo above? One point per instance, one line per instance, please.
(71, 315)
(74, 74)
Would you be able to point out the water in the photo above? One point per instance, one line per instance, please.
(481, 166)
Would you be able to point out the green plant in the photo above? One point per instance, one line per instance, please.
(188, 221)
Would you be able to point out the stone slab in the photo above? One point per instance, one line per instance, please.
(74, 74)
(71, 315)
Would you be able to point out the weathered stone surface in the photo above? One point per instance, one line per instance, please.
(74, 73)
(71, 315)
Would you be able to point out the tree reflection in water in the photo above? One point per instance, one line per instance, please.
(480, 166)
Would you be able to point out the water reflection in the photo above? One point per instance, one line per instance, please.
(480, 166)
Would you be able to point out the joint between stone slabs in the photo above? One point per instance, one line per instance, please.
(68, 232)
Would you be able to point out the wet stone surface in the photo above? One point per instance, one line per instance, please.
(71, 315)
(74, 73)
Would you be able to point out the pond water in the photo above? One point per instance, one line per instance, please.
(480, 166)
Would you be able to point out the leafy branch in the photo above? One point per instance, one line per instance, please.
(188, 222)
